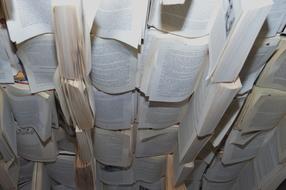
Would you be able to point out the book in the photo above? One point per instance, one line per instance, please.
(263, 109)
(114, 66)
(172, 66)
(152, 142)
(128, 20)
(229, 44)
(63, 165)
(273, 76)
(190, 19)
(33, 110)
(27, 19)
(261, 51)
(39, 71)
(114, 112)
(114, 148)
(159, 115)
(209, 103)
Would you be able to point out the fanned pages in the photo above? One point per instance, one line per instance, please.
(187, 18)
(121, 20)
(229, 41)
(39, 71)
(172, 66)
(28, 18)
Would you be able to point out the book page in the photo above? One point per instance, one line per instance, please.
(158, 115)
(33, 111)
(113, 147)
(273, 76)
(150, 169)
(275, 18)
(30, 147)
(28, 18)
(114, 66)
(59, 169)
(164, 139)
(255, 62)
(39, 71)
(114, 112)
(8, 125)
(122, 20)
(176, 64)
(189, 19)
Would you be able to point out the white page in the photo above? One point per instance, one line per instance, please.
(275, 18)
(159, 115)
(273, 76)
(30, 147)
(63, 169)
(28, 18)
(113, 112)
(173, 64)
(156, 142)
(122, 20)
(255, 62)
(39, 71)
(114, 66)
(190, 18)
(33, 111)
(225, 38)
(150, 169)
(113, 147)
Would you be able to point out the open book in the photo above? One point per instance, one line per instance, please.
(114, 65)
(28, 18)
(233, 33)
(32, 111)
(274, 74)
(32, 148)
(263, 110)
(40, 72)
(261, 51)
(157, 142)
(114, 147)
(172, 66)
(114, 112)
(188, 19)
(158, 115)
(121, 20)
(62, 171)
